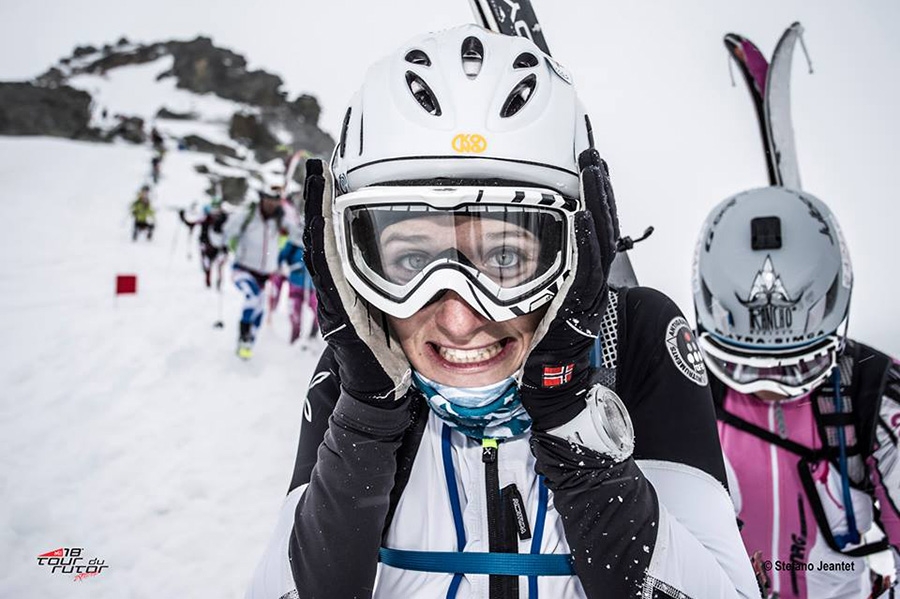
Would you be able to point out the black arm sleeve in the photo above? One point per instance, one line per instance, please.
(663, 382)
(609, 512)
(339, 520)
(321, 397)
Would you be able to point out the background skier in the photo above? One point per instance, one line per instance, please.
(252, 233)
(143, 213)
(809, 418)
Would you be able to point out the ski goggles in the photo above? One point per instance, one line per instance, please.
(790, 372)
(504, 250)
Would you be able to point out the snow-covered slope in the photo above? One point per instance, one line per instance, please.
(128, 427)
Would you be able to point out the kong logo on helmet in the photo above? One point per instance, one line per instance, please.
(769, 303)
(469, 143)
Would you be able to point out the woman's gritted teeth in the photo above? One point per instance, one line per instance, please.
(455, 355)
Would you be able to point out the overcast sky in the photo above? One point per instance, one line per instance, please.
(653, 74)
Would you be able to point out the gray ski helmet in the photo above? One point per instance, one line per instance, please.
(771, 271)
(463, 104)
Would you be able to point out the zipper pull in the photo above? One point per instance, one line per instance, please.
(779, 418)
(517, 508)
(489, 451)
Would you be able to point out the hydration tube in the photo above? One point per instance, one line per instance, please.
(852, 535)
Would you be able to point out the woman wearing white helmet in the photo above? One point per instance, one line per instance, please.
(808, 418)
(460, 244)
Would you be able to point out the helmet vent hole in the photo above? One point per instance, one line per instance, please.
(418, 57)
(832, 295)
(525, 60)
(344, 127)
(519, 96)
(472, 56)
(423, 94)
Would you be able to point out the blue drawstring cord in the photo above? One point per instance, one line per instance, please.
(852, 537)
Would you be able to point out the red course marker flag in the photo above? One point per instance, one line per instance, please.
(126, 284)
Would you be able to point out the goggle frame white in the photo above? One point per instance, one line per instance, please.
(714, 350)
(486, 297)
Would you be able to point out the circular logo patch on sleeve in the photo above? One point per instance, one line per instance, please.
(684, 351)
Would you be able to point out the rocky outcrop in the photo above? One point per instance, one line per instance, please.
(165, 113)
(248, 130)
(202, 68)
(307, 108)
(27, 109)
(129, 128)
(112, 60)
(233, 189)
(267, 123)
(305, 135)
(198, 144)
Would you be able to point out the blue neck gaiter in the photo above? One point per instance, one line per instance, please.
(490, 412)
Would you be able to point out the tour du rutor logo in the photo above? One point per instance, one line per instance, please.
(769, 304)
(71, 560)
(469, 143)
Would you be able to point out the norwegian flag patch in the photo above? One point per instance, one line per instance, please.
(554, 376)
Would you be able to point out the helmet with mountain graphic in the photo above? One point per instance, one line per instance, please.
(771, 284)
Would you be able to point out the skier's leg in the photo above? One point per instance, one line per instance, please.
(313, 302)
(258, 306)
(276, 282)
(252, 309)
(206, 260)
(297, 300)
(220, 259)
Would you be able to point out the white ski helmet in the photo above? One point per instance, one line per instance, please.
(457, 170)
(771, 285)
(464, 104)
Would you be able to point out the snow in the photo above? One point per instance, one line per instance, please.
(134, 90)
(127, 426)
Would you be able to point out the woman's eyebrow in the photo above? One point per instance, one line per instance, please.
(508, 233)
(405, 237)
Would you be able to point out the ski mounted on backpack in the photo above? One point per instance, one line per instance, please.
(769, 85)
(517, 17)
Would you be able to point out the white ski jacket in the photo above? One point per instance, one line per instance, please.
(658, 526)
(254, 238)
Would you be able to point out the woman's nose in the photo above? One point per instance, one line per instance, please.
(456, 319)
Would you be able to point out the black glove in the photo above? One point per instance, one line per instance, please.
(370, 370)
(557, 372)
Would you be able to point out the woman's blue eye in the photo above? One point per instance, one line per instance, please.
(415, 262)
(504, 258)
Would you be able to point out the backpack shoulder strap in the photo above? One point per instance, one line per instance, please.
(720, 390)
(863, 375)
(406, 455)
(251, 212)
(872, 372)
(605, 354)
